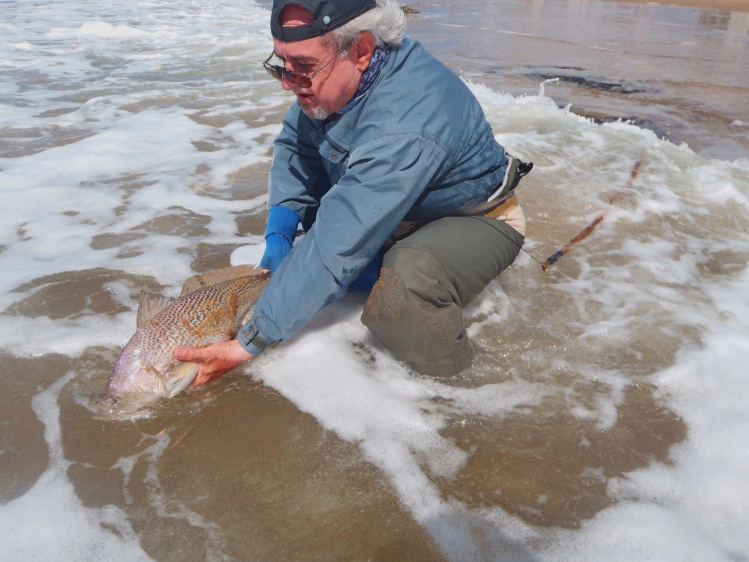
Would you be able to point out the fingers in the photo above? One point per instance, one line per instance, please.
(214, 360)
(186, 353)
(203, 378)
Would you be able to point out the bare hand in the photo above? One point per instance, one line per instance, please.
(214, 360)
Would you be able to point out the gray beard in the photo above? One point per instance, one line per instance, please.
(317, 113)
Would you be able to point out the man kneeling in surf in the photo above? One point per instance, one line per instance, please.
(389, 166)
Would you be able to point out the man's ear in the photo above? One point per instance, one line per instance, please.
(363, 48)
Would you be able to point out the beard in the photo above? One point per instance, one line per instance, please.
(316, 113)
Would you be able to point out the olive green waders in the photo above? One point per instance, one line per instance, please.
(416, 307)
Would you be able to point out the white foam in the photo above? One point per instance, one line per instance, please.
(100, 29)
(251, 253)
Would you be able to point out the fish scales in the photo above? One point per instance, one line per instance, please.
(210, 314)
(206, 313)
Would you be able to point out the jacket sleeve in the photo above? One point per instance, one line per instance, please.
(383, 179)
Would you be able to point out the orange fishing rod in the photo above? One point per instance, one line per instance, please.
(588, 229)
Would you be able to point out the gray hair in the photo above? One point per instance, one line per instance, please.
(386, 22)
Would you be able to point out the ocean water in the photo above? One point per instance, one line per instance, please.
(605, 417)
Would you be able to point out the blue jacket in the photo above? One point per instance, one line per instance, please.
(417, 146)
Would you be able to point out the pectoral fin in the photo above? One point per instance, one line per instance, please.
(181, 377)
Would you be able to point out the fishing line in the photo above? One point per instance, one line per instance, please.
(529, 254)
(522, 249)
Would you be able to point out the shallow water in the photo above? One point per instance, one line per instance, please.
(681, 72)
(604, 417)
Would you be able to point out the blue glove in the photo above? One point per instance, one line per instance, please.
(277, 248)
(368, 277)
(279, 236)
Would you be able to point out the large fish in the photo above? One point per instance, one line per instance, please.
(210, 309)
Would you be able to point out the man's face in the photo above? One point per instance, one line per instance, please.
(332, 87)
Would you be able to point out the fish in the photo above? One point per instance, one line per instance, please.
(211, 308)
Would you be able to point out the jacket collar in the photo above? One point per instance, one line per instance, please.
(341, 131)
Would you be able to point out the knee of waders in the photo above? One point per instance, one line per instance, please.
(414, 314)
(411, 281)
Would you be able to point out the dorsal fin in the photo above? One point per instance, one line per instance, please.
(218, 276)
(149, 306)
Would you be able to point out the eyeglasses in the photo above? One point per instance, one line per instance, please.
(299, 79)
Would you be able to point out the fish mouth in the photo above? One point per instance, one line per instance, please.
(111, 406)
(108, 398)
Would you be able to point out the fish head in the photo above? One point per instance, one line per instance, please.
(140, 377)
(110, 406)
